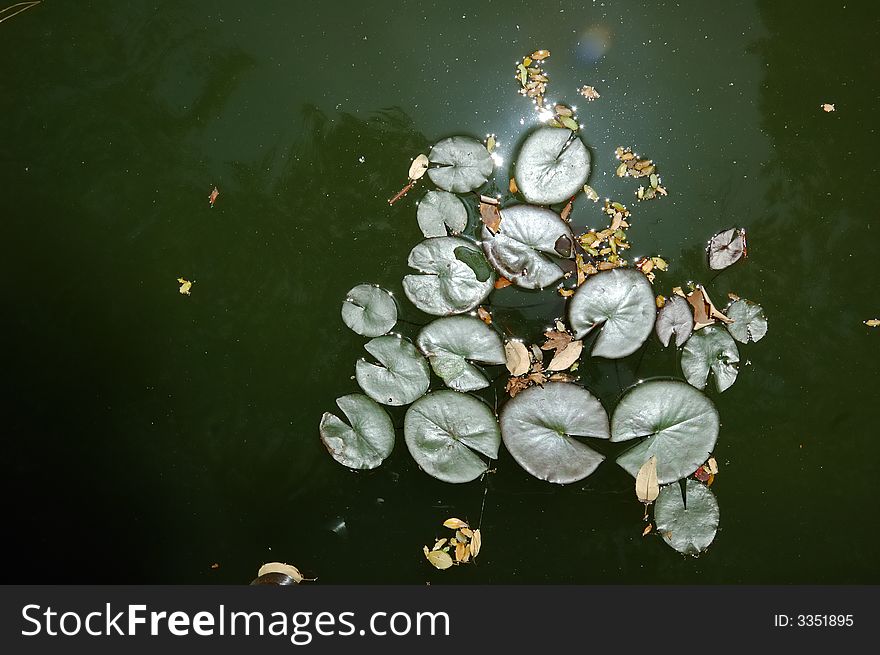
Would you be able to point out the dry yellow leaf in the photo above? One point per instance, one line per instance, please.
(460, 550)
(660, 301)
(827, 107)
(647, 529)
(564, 358)
(476, 543)
(454, 524)
(185, 286)
(440, 543)
(467, 532)
(539, 55)
(871, 322)
(647, 487)
(491, 142)
(285, 569)
(713, 466)
(518, 361)
(439, 559)
(565, 293)
(419, 167)
(512, 186)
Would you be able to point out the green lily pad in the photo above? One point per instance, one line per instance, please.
(446, 285)
(552, 165)
(711, 348)
(675, 317)
(365, 443)
(451, 434)
(439, 210)
(749, 322)
(689, 529)
(449, 343)
(464, 164)
(540, 427)
(369, 310)
(403, 375)
(678, 423)
(620, 302)
(726, 248)
(520, 250)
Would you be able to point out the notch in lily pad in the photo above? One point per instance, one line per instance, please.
(452, 435)
(688, 524)
(451, 343)
(726, 248)
(400, 377)
(460, 164)
(552, 165)
(710, 349)
(675, 318)
(368, 438)
(749, 321)
(440, 210)
(369, 310)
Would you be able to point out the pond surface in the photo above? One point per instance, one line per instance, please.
(151, 435)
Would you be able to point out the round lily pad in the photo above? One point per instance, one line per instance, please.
(540, 425)
(675, 317)
(451, 434)
(402, 376)
(552, 165)
(749, 322)
(711, 348)
(369, 310)
(450, 342)
(678, 423)
(526, 236)
(687, 528)
(365, 443)
(446, 285)
(620, 302)
(439, 210)
(464, 164)
(726, 248)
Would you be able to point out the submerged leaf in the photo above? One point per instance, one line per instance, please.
(464, 164)
(475, 261)
(688, 529)
(679, 425)
(449, 433)
(367, 442)
(439, 210)
(369, 310)
(403, 375)
(449, 343)
(726, 248)
(675, 317)
(540, 427)
(749, 322)
(620, 302)
(552, 165)
(711, 348)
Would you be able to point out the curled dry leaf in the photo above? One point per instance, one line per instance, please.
(185, 286)
(518, 361)
(438, 559)
(705, 311)
(285, 569)
(647, 487)
(418, 168)
(454, 524)
(462, 552)
(476, 543)
(565, 357)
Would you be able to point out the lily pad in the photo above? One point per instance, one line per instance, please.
(520, 250)
(711, 348)
(540, 425)
(620, 302)
(553, 165)
(439, 210)
(679, 424)
(675, 317)
(367, 441)
(464, 164)
(450, 434)
(749, 322)
(403, 375)
(450, 342)
(726, 248)
(689, 529)
(446, 285)
(369, 310)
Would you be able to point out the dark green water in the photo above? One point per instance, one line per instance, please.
(150, 435)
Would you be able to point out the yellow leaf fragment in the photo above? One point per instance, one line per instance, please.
(565, 293)
(647, 529)
(461, 551)
(540, 55)
(518, 362)
(660, 301)
(827, 107)
(439, 559)
(591, 193)
(484, 315)
(476, 543)
(647, 487)
(491, 143)
(678, 292)
(873, 322)
(512, 186)
(565, 357)
(455, 524)
(418, 167)
(713, 466)
(185, 286)
(440, 543)
(467, 532)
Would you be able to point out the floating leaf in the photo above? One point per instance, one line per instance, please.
(185, 286)
(689, 529)
(447, 285)
(565, 357)
(403, 375)
(490, 215)
(540, 425)
(749, 322)
(553, 164)
(647, 486)
(711, 348)
(590, 192)
(827, 107)
(726, 248)
(284, 569)
(713, 465)
(369, 310)
(475, 261)
(212, 197)
(680, 426)
(705, 311)
(522, 247)
(447, 432)
(450, 342)
(464, 164)
(517, 358)
(872, 322)
(367, 441)
(439, 210)
(476, 543)
(589, 93)
(540, 55)
(675, 317)
(454, 524)
(439, 559)
(621, 303)
(418, 168)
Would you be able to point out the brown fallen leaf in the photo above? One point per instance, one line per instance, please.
(647, 529)
(705, 311)
(515, 385)
(872, 322)
(484, 315)
(540, 55)
(566, 211)
(461, 551)
(490, 215)
(826, 107)
(512, 186)
(454, 524)
(589, 93)
(502, 282)
(518, 360)
(215, 565)
(647, 488)
(212, 198)
(562, 377)
(556, 339)
(565, 357)
(712, 464)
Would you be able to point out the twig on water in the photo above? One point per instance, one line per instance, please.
(16, 9)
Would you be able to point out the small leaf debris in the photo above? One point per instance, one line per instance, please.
(872, 322)
(827, 107)
(464, 545)
(589, 93)
(212, 197)
(185, 286)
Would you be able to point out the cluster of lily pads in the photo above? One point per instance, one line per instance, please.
(453, 434)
